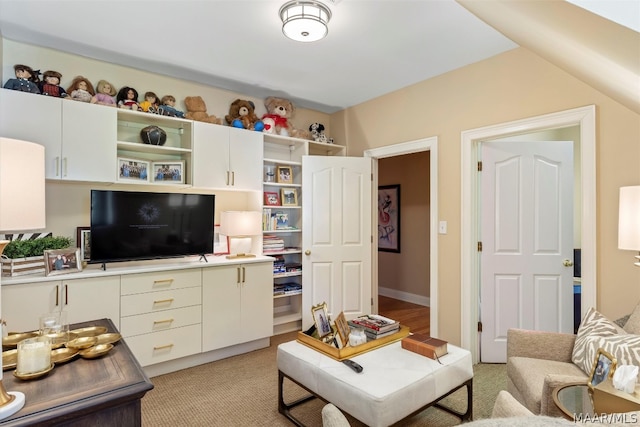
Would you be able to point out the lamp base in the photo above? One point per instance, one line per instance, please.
(241, 255)
(10, 402)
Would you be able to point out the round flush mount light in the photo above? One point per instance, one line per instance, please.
(305, 21)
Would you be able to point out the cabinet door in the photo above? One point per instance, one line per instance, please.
(257, 301)
(221, 310)
(89, 142)
(91, 299)
(22, 305)
(245, 151)
(34, 118)
(210, 156)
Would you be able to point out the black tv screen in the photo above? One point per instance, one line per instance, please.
(127, 225)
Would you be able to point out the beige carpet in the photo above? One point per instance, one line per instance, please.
(242, 391)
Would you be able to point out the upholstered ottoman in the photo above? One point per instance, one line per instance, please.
(394, 384)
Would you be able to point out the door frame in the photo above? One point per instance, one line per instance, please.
(427, 144)
(585, 117)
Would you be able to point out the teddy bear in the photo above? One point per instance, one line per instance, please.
(197, 110)
(279, 111)
(242, 115)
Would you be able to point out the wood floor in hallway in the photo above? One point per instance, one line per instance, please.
(415, 316)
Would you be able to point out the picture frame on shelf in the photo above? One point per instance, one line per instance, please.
(271, 198)
(321, 319)
(168, 172)
(83, 241)
(289, 196)
(389, 218)
(281, 220)
(285, 175)
(220, 242)
(133, 170)
(62, 261)
(604, 366)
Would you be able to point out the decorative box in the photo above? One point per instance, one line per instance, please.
(21, 266)
(607, 399)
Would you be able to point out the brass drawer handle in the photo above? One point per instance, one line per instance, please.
(163, 282)
(164, 301)
(155, 322)
(162, 347)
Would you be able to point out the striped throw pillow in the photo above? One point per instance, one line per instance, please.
(593, 326)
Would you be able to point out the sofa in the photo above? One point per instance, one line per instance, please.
(538, 362)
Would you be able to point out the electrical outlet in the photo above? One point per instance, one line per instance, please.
(442, 227)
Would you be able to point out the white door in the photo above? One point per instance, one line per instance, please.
(337, 235)
(527, 238)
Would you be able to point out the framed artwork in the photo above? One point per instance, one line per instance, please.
(168, 172)
(289, 196)
(133, 170)
(603, 367)
(321, 319)
(343, 329)
(220, 242)
(62, 261)
(271, 198)
(389, 218)
(285, 175)
(83, 241)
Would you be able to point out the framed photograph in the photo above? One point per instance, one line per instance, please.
(343, 329)
(62, 261)
(389, 218)
(603, 367)
(289, 196)
(285, 175)
(321, 319)
(83, 241)
(271, 198)
(168, 172)
(220, 242)
(133, 170)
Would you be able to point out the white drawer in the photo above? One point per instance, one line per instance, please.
(161, 346)
(131, 305)
(160, 281)
(160, 321)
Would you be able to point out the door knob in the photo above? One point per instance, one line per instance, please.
(567, 263)
(307, 252)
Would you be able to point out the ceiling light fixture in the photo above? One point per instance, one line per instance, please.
(305, 21)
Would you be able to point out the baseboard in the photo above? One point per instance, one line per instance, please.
(404, 296)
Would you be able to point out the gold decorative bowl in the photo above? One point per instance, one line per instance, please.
(12, 340)
(96, 351)
(82, 342)
(108, 338)
(90, 331)
(59, 339)
(62, 355)
(33, 375)
(9, 359)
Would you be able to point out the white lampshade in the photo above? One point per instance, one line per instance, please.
(305, 21)
(629, 219)
(240, 223)
(22, 185)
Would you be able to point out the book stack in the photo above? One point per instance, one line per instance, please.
(375, 326)
(278, 265)
(425, 345)
(290, 288)
(271, 244)
(292, 267)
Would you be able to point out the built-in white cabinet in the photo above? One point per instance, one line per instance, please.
(81, 299)
(227, 158)
(236, 304)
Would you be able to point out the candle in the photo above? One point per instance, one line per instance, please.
(34, 355)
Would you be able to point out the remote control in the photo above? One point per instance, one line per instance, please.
(353, 365)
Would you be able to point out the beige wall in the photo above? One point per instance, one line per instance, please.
(510, 86)
(408, 271)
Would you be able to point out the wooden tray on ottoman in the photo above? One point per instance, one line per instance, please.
(348, 352)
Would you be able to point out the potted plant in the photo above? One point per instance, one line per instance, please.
(27, 256)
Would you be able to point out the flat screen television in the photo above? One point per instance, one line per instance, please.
(128, 225)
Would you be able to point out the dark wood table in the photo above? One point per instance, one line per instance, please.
(84, 392)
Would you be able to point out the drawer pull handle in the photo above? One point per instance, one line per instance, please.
(162, 347)
(163, 301)
(163, 282)
(155, 322)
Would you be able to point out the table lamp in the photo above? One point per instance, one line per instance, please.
(22, 199)
(240, 226)
(629, 220)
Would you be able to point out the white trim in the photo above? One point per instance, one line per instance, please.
(404, 296)
(585, 117)
(428, 144)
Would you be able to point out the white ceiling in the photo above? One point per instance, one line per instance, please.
(374, 47)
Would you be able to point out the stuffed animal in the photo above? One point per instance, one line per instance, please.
(280, 110)
(197, 110)
(242, 115)
(26, 79)
(81, 90)
(50, 86)
(317, 132)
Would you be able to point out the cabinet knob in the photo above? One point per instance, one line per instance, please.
(307, 252)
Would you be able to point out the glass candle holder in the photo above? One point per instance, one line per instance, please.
(34, 355)
(357, 337)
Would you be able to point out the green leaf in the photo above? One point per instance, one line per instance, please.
(35, 247)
